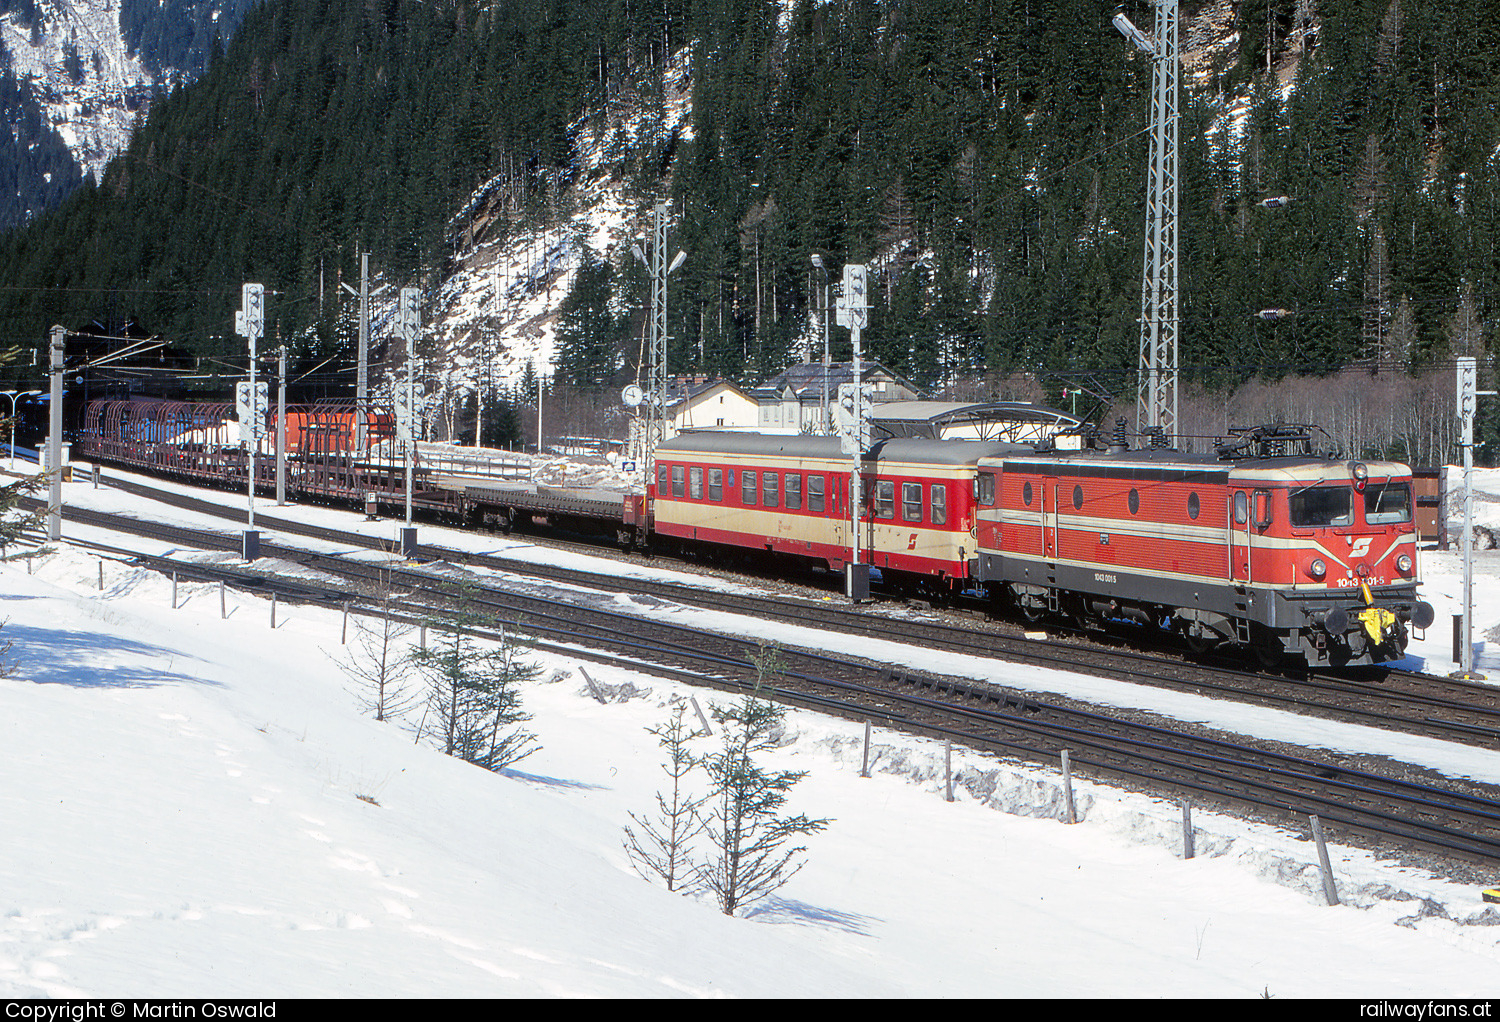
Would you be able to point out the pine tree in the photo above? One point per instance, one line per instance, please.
(661, 849)
(472, 692)
(746, 828)
(587, 330)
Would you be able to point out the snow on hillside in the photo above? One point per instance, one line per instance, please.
(500, 308)
(195, 806)
(95, 114)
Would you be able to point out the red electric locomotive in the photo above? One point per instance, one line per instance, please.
(1265, 546)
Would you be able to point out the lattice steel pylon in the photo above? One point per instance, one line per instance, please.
(656, 386)
(1157, 404)
(654, 425)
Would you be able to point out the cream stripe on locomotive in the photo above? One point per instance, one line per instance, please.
(1141, 529)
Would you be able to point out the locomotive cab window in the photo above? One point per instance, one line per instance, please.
(1241, 508)
(747, 488)
(1321, 506)
(1387, 503)
(911, 502)
(984, 489)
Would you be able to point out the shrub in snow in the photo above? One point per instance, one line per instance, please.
(472, 693)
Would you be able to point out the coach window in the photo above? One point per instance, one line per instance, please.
(677, 477)
(1241, 507)
(939, 503)
(793, 491)
(1078, 498)
(770, 489)
(815, 494)
(695, 482)
(885, 498)
(716, 484)
(911, 502)
(1193, 506)
(747, 488)
(984, 489)
(662, 481)
(1135, 502)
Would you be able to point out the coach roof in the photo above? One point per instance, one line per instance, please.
(932, 452)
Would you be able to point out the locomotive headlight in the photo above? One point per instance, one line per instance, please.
(1317, 569)
(1403, 564)
(1361, 474)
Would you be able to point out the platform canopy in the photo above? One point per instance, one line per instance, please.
(1015, 422)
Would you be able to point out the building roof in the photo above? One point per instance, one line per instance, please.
(806, 379)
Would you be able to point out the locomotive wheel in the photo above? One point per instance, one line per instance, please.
(1266, 646)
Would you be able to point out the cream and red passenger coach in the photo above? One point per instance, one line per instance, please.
(790, 495)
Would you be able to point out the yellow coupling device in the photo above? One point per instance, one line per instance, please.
(1377, 622)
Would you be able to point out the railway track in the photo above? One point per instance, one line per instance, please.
(1438, 708)
(1446, 818)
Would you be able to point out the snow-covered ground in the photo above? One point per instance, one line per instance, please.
(196, 807)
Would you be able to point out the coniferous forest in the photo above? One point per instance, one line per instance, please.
(986, 157)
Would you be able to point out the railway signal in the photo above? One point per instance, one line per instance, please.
(250, 323)
(252, 413)
(854, 431)
(1467, 399)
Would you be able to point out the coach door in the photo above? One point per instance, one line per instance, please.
(1239, 537)
(838, 492)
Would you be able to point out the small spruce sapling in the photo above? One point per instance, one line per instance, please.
(750, 856)
(472, 692)
(660, 850)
